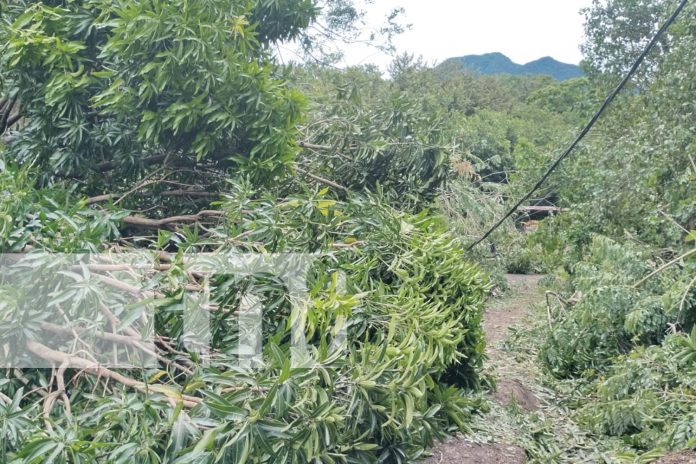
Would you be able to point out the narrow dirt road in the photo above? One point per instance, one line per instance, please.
(514, 382)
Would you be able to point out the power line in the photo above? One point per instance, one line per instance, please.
(589, 125)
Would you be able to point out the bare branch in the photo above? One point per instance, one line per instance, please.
(62, 358)
(313, 146)
(330, 183)
(159, 223)
(663, 267)
(189, 193)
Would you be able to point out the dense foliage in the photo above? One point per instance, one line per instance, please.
(625, 253)
(381, 396)
(171, 128)
(168, 128)
(497, 63)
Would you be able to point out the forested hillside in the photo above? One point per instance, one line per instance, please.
(497, 63)
(286, 246)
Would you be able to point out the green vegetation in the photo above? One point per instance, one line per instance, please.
(168, 127)
(497, 63)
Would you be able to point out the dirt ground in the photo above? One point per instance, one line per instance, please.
(463, 452)
(683, 457)
(498, 318)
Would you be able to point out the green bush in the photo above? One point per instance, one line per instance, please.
(412, 309)
(613, 315)
(648, 396)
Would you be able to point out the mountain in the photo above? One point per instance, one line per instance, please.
(553, 68)
(497, 63)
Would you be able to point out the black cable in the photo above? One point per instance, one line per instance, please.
(589, 125)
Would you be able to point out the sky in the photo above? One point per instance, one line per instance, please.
(524, 30)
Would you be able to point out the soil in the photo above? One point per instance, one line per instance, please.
(463, 452)
(512, 391)
(682, 457)
(511, 387)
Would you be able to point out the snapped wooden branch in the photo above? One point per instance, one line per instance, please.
(313, 146)
(166, 193)
(60, 358)
(664, 266)
(133, 340)
(138, 221)
(562, 302)
(328, 182)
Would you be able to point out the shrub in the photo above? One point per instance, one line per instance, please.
(411, 307)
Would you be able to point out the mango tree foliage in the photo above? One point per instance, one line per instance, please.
(617, 31)
(375, 138)
(129, 84)
(174, 116)
(411, 308)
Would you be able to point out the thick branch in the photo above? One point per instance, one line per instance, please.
(133, 290)
(5, 115)
(11, 121)
(330, 183)
(168, 193)
(313, 146)
(159, 223)
(100, 198)
(60, 358)
(189, 193)
(134, 341)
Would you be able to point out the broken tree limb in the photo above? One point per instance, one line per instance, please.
(188, 193)
(664, 266)
(330, 183)
(313, 146)
(138, 221)
(134, 341)
(100, 198)
(90, 367)
(133, 290)
(167, 193)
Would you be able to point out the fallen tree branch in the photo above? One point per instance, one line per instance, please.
(138, 221)
(133, 290)
(100, 198)
(90, 367)
(663, 267)
(313, 146)
(561, 301)
(130, 340)
(167, 193)
(188, 193)
(330, 183)
(144, 183)
(348, 245)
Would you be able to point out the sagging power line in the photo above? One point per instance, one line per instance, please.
(589, 125)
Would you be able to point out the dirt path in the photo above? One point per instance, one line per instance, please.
(515, 385)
